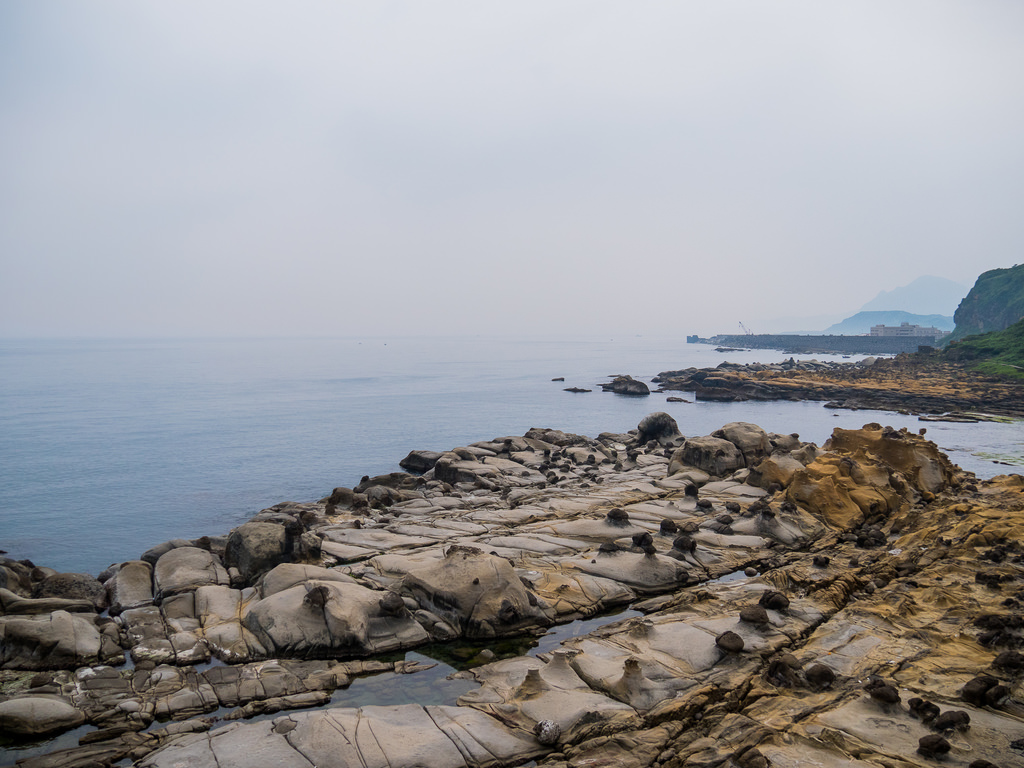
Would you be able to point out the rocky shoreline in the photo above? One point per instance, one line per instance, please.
(854, 603)
(916, 384)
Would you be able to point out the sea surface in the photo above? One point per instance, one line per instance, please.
(108, 447)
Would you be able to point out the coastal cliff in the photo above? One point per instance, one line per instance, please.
(995, 302)
(844, 604)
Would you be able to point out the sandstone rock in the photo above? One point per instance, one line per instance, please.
(657, 426)
(38, 716)
(477, 592)
(776, 469)
(710, 454)
(59, 640)
(318, 619)
(10, 603)
(131, 586)
(750, 439)
(72, 586)
(185, 569)
(420, 461)
(256, 547)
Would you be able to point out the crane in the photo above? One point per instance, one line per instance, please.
(746, 330)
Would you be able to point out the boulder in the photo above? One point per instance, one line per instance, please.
(751, 440)
(420, 461)
(131, 586)
(778, 469)
(72, 586)
(480, 593)
(185, 569)
(322, 619)
(710, 454)
(287, 575)
(11, 603)
(59, 640)
(657, 426)
(38, 716)
(257, 547)
(917, 459)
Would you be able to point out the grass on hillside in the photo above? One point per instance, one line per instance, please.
(999, 353)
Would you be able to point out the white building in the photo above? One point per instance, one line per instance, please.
(906, 329)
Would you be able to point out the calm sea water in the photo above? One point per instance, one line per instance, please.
(109, 447)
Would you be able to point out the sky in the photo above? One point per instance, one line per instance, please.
(557, 167)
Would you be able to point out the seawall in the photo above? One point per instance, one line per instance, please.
(853, 345)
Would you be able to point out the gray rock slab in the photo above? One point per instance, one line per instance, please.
(38, 716)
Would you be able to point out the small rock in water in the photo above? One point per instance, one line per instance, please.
(750, 573)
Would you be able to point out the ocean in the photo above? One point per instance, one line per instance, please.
(109, 447)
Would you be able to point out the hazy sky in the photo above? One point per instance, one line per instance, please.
(251, 168)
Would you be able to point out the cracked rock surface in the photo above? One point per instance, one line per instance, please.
(827, 606)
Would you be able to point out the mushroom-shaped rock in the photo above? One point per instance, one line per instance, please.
(754, 614)
(773, 600)
(974, 690)
(635, 689)
(729, 641)
(657, 426)
(933, 745)
(478, 592)
(952, 720)
(820, 676)
(882, 692)
(923, 709)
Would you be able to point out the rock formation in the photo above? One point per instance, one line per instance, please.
(852, 604)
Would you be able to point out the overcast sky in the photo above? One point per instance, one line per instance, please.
(323, 168)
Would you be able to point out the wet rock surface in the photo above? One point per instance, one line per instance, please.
(857, 603)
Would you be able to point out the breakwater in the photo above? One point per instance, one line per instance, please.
(849, 345)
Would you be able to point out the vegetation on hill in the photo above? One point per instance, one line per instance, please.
(995, 302)
(997, 353)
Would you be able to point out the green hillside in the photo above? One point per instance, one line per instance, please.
(995, 302)
(999, 352)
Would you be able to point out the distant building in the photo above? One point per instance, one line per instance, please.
(906, 329)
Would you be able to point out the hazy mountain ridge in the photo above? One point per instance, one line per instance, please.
(927, 295)
(863, 321)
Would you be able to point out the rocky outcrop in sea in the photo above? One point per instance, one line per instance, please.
(856, 603)
(913, 384)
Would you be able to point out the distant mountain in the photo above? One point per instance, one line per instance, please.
(928, 295)
(862, 322)
(995, 302)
